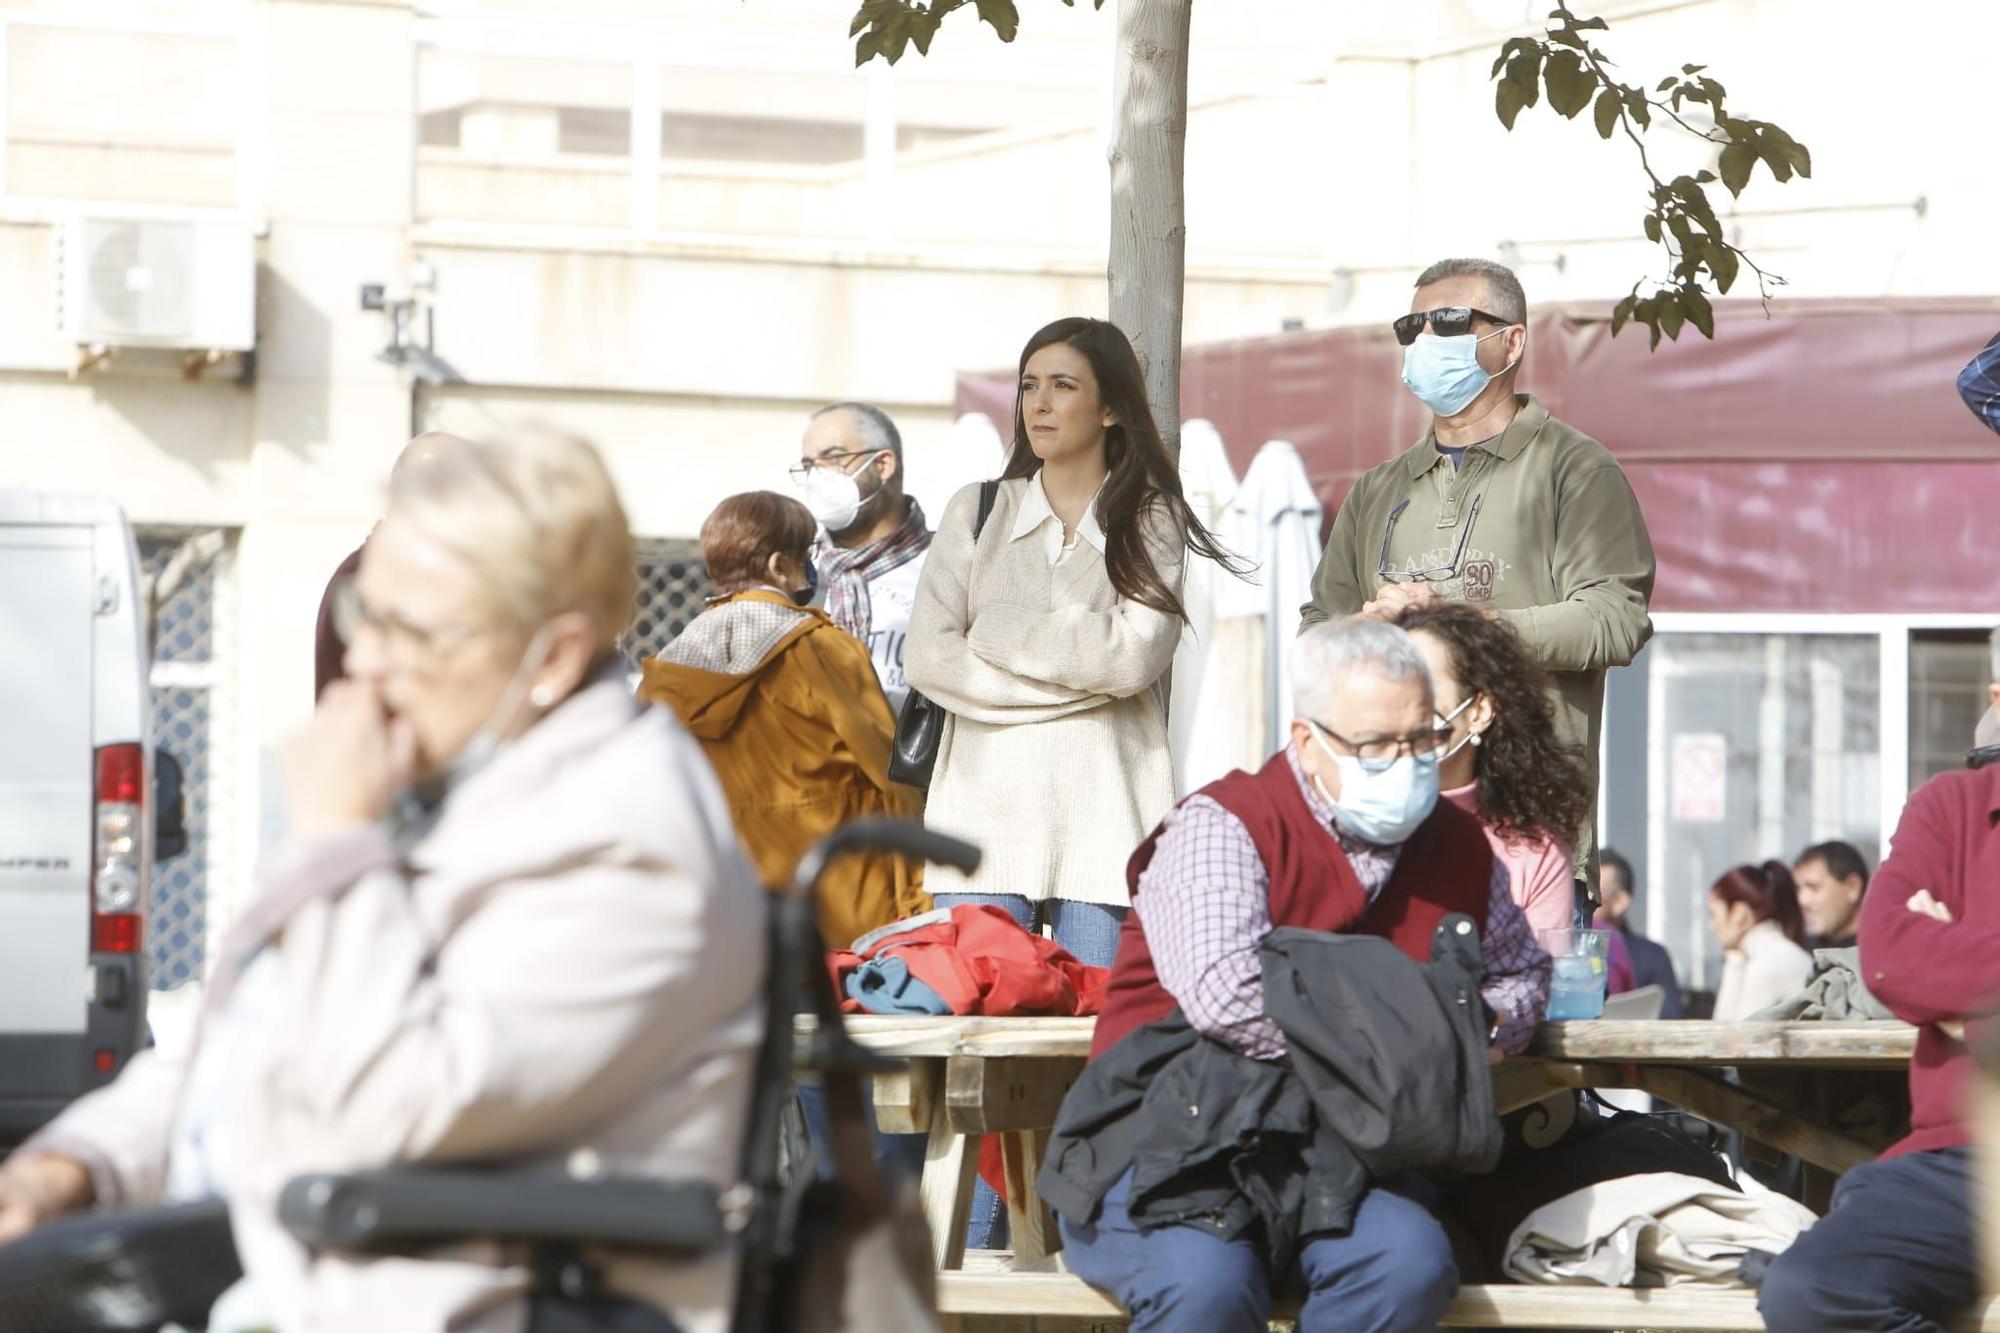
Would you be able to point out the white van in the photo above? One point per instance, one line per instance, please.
(78, 806)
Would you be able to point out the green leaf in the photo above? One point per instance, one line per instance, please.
(1713, 92)
(1801, 160)
(1774, 155)
(1590, 25)
(1665, 84)
(1692, 70)
(1723, 264)
(924, 28)
(1652, 225)
(1526, 69)
(1704, 178)
(1606, 113)
(1621, 314)
(1671, 315)
(1001, 16)
(1699, 312)
(1637, 107)
(1507, 52)
(1737, 162)
(1570, 85)
(1508, 99)
(1683, 232)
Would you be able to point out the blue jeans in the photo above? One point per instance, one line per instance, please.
(1392, 1272)
(897, 1154)
(1893, 1255)
(1088, 930)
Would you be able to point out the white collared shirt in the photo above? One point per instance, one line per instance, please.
(1036, 515)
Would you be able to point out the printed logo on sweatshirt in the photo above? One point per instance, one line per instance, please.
(1479, 579)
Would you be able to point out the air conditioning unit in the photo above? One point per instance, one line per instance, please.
(158, 282)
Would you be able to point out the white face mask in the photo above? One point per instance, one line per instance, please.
(1383, 807)
(835, 497)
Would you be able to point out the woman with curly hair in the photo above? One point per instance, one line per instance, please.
(1502, 762)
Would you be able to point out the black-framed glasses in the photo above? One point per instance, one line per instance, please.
(1437, 574)
(1377, 753)
(837, 459)
(1447, 321)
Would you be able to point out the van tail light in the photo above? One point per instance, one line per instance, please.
(114, 883)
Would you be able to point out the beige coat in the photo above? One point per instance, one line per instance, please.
(566, 968)
(1054, 757)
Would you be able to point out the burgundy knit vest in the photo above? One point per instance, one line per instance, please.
(1445, 867)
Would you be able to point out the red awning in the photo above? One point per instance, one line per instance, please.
(1819, 460)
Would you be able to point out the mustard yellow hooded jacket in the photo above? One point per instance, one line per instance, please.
(787, 706)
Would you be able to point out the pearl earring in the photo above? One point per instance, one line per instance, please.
(1475, 738)
(542, 697)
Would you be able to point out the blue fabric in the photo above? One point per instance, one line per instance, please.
(885, 986)
(1392, 1272)
(1090, 932)
(1979, 384)
(1893, 1255)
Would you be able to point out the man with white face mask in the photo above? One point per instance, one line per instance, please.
(851, 471)
(1500, 505)
(1343, 832)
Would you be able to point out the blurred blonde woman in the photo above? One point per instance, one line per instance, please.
(510, 923)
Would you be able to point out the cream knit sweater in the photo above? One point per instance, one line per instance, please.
(1054, 759)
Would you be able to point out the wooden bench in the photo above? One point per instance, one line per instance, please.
(1060, 1298)
(969, 1077)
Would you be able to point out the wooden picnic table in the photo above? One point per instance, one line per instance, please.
(968, 1077)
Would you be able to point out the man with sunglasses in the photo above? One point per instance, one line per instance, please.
(1500, 505)
(851, 470)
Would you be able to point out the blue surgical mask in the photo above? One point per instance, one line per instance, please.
(804, 596)
(1383, 807)
(1444, 373)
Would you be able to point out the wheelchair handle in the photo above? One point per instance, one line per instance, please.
(886, 835)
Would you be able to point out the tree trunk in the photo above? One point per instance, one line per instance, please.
(1148, 221)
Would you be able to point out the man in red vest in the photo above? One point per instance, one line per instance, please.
(1343, 832)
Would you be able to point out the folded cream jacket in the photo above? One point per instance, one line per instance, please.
(563, 973)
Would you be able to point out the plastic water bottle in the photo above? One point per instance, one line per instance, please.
(1576, 988)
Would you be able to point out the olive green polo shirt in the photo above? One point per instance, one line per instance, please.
(1557, 547)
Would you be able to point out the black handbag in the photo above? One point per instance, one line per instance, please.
(920, 726)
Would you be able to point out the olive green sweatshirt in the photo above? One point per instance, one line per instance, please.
(1557, 546)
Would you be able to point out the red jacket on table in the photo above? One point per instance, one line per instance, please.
(1928, 971)
(979, 961)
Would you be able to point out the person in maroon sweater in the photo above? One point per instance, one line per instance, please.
(1896, 1250)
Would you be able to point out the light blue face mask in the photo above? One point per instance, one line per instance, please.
(1444, 373)
(1383, 806)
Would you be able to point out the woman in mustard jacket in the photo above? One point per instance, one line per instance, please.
(790, 713)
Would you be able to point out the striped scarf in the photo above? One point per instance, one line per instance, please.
(846, 573)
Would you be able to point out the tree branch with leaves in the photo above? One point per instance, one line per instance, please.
(1681, 220)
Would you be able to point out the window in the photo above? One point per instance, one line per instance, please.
(1759, 745)
(1949, 673)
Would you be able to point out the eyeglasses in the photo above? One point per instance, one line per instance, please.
(1447, 321)
(837, 459)
(1444, 720)
(404, 642)
(1379, 752)
(1437, 574)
